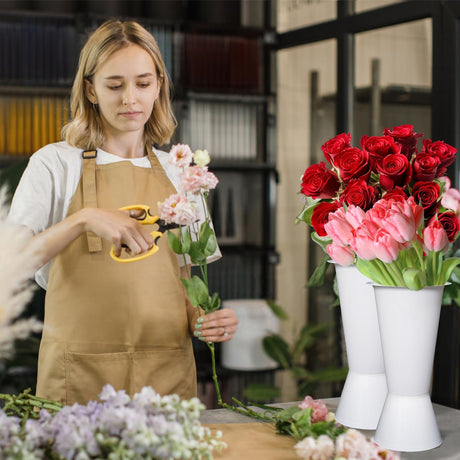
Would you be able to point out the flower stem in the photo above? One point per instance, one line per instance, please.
(214, 373)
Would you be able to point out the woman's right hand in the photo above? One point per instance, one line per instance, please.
(120, 228)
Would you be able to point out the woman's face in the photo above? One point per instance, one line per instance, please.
(125, 88)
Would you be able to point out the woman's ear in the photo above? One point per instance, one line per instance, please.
(89, 91)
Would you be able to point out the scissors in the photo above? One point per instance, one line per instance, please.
(145, 219)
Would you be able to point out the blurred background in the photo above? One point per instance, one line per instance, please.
(261, 84)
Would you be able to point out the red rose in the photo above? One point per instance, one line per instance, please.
(360, 194)
(426, 166)
(395, 171)
(427, 195)
(406, 137)
(320, 182)
(352, 163)
(378, 147)
(449, 222)
(335, 145)
(397, 194)
(445, 153)
(320, 216)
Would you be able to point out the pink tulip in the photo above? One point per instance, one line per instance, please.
(341, 254)
(338, 228)
(400, 227)
(435, 237)
(362, 243)
(417, 212)
(355, 216)
(386, 247)
(451, 200)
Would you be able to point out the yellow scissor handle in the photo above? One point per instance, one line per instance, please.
(146, 219)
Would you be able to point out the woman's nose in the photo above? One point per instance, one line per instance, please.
(128, 96)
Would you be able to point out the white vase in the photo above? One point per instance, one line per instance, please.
(408, 323)
(365, 388)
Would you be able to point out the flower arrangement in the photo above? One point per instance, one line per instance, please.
(195, 242)
(16, 291)
(387, 207)
(148, 426)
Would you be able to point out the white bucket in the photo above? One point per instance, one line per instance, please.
(245, 351)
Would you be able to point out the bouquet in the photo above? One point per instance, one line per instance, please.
(400, 210)
(148, 426)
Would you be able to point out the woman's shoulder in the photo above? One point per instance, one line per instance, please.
(57, 154)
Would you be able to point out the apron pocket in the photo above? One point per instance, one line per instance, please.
(86, 374)
(167, 371)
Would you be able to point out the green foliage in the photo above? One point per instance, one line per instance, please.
(259, 392)
(277, 310)
(319, 275)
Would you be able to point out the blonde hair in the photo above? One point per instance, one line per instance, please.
(85, 129)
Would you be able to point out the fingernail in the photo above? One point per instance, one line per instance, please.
(197, 333)
(198, 326)
(200, 319)
(202, 338)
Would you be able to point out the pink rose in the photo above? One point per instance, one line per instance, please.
(451, 200)
(335, 145)
(320, 410)
(180, 155)
(435, 237)
(341, 254)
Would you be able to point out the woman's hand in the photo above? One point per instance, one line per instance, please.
(119, 227)
(218, 326)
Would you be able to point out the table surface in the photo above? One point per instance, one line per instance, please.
(448, 421)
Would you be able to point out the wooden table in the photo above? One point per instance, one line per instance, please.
(448, 422)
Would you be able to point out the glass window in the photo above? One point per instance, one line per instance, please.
(401, 57)
(294, 14)
(364, 5)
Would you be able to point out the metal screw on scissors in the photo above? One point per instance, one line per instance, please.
(145, 219)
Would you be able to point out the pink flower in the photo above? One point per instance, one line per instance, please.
(310, 448)
(181, 155)
(435, 237)
(341, 254)
(362, 243)
(196, 179)
(451, 200)
(386, 247)
(319, 408)
(178, 210)
(354, 445)
(338, 228)
(355, 216)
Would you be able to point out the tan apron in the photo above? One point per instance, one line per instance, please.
(107, 322)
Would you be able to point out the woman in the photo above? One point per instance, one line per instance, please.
(106, 322)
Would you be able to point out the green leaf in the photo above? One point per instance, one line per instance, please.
(367, 268)
(414, 278)
(207, 239)
(323, 241)
(305, 340)
(300, 372)
(186, 241)
(214, 302)
(175, 243)
(447, 268)
(259, 392)
(307, 211)
(196, 253)
(319, 275)
(329, 374)
(277, 349)
(196, 289)
(277, 310)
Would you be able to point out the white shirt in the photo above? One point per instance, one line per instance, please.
(49, 182)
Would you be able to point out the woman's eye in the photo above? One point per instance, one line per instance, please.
(143, 85)
(115, 87)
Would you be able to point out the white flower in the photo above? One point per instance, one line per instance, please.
(201, 157)
(315, 449)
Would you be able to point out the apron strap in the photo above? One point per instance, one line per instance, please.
(89, 194)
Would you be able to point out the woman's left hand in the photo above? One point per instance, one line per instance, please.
(217, 326)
